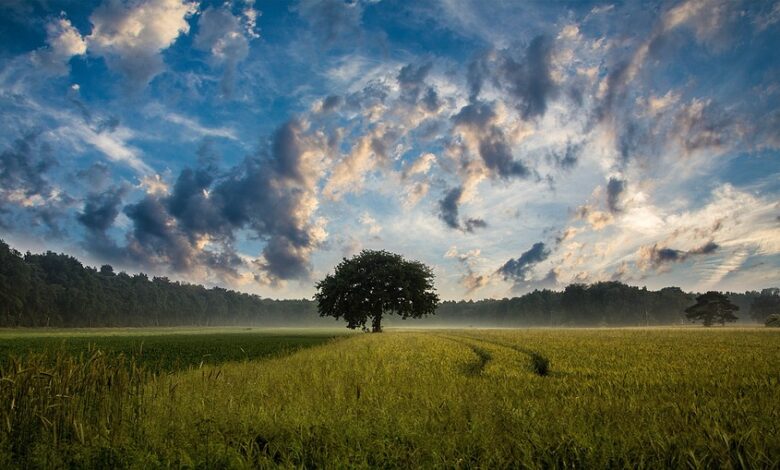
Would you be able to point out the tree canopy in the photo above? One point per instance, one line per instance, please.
(712, 307)
(373, 284)
(765, 304)
(51, 289)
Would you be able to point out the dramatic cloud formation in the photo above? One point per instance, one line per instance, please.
(270, 194)
(634, 142)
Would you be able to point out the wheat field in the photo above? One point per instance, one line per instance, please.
(649, 398)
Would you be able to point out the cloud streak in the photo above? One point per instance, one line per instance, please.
(517, 269)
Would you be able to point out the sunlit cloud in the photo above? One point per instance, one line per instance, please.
(518, 147)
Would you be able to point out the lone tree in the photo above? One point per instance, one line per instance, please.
(375, 283)
(712, 307)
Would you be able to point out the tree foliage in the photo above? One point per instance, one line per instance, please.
(765, 304)
(376, 283)
(601, 304)
(51, 289)
(712, 307)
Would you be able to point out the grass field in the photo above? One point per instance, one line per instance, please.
(163, 349)
(439, 398)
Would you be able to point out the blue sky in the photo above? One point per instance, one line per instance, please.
(509, 145)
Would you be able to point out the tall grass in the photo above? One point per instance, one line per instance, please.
(60, 401)
(612, 398)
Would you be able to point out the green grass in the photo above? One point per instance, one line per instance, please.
(164, 349)
(645, 398)
(13, 333)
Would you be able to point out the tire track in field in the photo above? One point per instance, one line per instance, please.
(539, 364)
(483, 356)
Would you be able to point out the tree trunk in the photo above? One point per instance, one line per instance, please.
(376, 324)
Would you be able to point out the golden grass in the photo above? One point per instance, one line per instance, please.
(640, 397)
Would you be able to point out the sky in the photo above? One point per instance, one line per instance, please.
(509, 145)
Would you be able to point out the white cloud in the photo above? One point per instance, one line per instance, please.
(131, 35)
(348, 174)
(154, 185)
(415, 193)
(226, 39)
(657, 104)
(739, 223)
(250, 14)
(194, 129)
(63, 42)
(420, 166)
(114, 145)
(351, 73)
(374, 229)
(221, 34)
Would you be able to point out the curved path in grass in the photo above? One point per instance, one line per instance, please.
(539, 364)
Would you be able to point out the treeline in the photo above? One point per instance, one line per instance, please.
(56, 290)
(599, 304)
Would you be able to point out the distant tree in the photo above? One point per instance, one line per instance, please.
(373, 284)
(773, 320)
(765, 304)
(712, 307)
(15, 283)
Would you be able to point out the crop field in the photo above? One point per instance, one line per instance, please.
(595, 398)
(163, 349)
